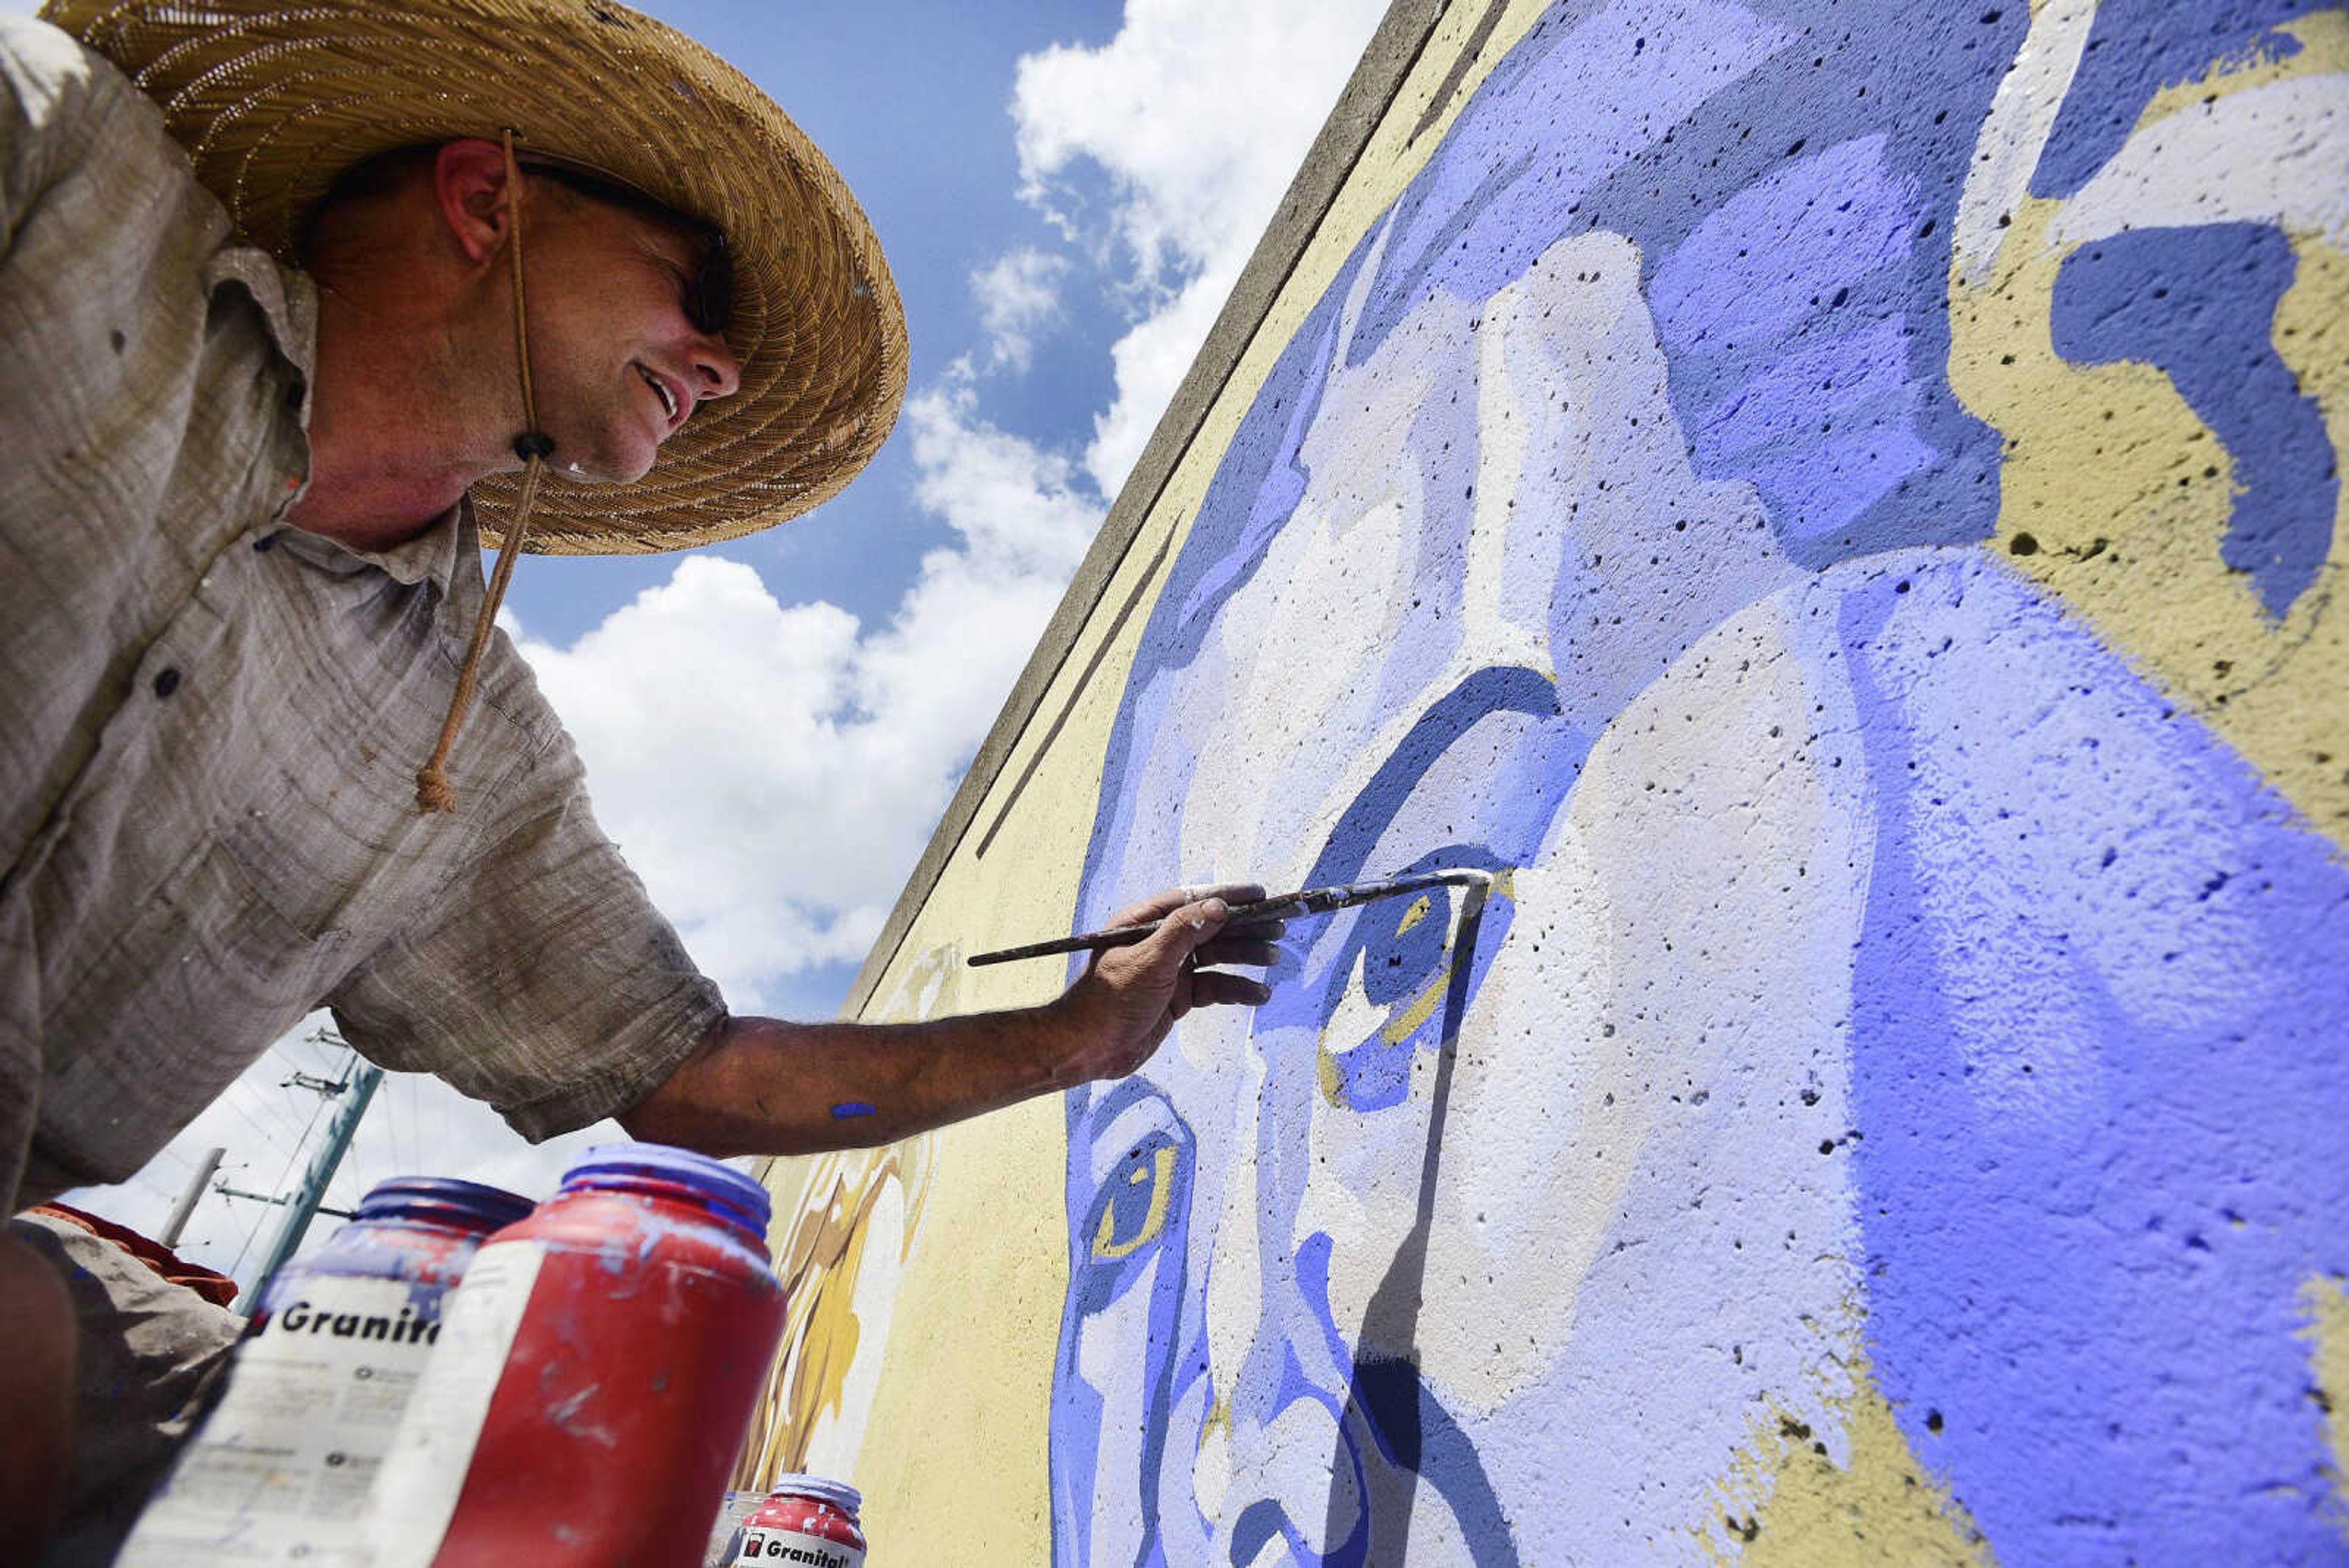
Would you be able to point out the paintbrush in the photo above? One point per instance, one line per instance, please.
(1258, 912)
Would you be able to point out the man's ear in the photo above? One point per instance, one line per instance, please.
(468, 184)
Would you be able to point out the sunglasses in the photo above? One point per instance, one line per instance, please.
(709, 295)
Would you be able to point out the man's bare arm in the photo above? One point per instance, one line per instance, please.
(760, 1086)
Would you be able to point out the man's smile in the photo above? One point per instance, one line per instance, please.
(675, 404)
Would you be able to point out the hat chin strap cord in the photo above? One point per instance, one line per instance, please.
(533, 446)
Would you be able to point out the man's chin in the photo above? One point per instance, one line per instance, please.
(602, 467)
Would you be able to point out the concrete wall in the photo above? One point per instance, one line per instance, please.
(1839, 503)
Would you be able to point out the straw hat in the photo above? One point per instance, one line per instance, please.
(274, 101)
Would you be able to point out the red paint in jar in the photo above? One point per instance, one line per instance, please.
(805, 1519)
(595, 1375)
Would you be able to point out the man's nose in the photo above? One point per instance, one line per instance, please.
(715, 373)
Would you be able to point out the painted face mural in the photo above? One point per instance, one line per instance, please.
(1900, 1074)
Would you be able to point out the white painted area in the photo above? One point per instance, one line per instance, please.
(2268, 154)
(2022, 116)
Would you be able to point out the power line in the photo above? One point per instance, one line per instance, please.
(278, 1186)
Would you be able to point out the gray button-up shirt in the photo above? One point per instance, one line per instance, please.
(210, 723)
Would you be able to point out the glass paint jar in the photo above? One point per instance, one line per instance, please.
(805, 1519)
(280, 1468)
(595, 1375)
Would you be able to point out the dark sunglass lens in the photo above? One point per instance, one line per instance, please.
(709, 303)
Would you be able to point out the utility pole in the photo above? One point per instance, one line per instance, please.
(187, 1204)
(313, 1192)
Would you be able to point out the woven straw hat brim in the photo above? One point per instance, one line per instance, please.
(273, 101)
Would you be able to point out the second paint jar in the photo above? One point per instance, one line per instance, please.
(593, 1377)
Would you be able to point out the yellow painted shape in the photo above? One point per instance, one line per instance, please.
(2327, 1301)
(1416, 913)
(1161, 1177)
(825, 1231)
(1787, 1504)
(953, 1460)
(823, 1207)
(2116, 498)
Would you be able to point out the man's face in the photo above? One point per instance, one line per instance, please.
(617, 365)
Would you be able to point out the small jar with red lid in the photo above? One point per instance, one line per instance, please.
(805, 1519)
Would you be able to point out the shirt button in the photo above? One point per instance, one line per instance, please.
(167, 680)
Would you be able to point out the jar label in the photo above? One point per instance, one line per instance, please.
(425, 1471)
(281, 1468)
(765, 1544)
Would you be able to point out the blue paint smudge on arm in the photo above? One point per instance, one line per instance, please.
(849, 1109)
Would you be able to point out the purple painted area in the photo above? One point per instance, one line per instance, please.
(1521, 163)
(2091, 1094)
(1774, 306)
(2099, 1067)
(2199, 303)
(1751, 273)
(1835, 478)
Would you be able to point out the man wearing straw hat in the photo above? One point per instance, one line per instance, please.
(288, 292)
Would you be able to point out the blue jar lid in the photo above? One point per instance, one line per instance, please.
(443, 1200)
(651, 1167)
(840, 1494)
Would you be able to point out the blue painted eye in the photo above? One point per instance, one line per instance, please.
(1132, 1210)
(1389, 983)
(1402, 951)
(1143, 1200)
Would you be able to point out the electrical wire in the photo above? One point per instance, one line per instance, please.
(278, 1186)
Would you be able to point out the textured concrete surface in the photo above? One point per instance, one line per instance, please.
(1838, 506)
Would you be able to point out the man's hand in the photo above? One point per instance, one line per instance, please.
(1120, 1008)
(760, 1086)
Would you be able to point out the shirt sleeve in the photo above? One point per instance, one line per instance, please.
(542, 982)
(57, 103)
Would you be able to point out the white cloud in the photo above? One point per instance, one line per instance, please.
(1018, 297)
(773, 771)
(1199, 113)
(1149, 363)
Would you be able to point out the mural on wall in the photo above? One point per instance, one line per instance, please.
(850, 1220)
(1838, 506)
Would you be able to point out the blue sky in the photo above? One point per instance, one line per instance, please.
(1066, 190)
(911, 103)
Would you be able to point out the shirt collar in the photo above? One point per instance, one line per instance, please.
(447, 556)
(288, 301)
